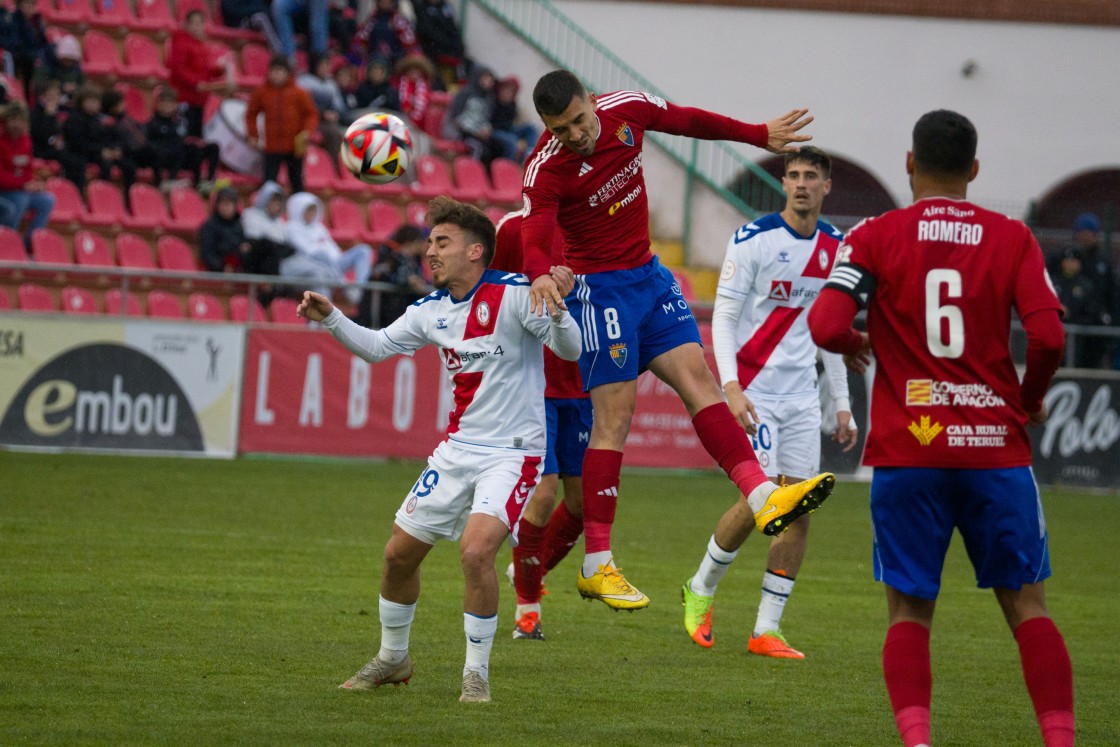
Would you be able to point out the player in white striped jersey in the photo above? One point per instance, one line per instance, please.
(775, 267)
(476, 481)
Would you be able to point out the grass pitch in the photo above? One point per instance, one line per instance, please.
(174, 601)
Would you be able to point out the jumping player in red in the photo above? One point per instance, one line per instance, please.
(585, 177)
(948, 437)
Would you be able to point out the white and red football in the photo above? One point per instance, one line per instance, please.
(377, 148)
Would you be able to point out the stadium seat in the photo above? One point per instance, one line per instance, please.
(416, 213)
(142, 59)
(99, 54)
(49, 248)
(246, 309)
(149, 211)
(112, 14)
(135, 104)
(318, 171)
(154, 15)
(106, 204)
(78, 301)
(6, 301)
(69, 12)
(506, 178)
(68, 206)
(11, 246)
(34, 297)
(348, 224)
(92, 250)
(283, 311)
(204, 307)
(113, 298)
(134, 253)
(432, 178)
(188, 210)
(384, 219)
(471, 179)
(175, 255)
(254, 66)
(163, 305)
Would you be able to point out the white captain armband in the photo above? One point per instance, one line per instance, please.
(853, 280)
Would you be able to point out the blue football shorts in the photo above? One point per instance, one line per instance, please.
(997, 511)
(568, 427)
(628, 318)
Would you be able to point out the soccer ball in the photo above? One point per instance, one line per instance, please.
(377, 148)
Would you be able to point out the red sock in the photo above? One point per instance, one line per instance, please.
(906, 669)
(727, 442)
(527, 568)
(1049, 676)
(601, 468)
(559, 536)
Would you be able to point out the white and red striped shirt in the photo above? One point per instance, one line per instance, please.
(490, 343)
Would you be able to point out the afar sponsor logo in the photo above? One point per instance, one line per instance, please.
(616, 183)
(628, 199)
(922, 392)
(102, 396)
(618, 354)
(924, 431)
(451, 359)
(990, 436)
(780, 290)
(625, 134)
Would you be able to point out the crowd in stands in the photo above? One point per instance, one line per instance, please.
(1088, 289)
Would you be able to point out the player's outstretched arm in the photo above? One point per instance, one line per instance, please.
(784, 131)
(314, 306)
(545, 295)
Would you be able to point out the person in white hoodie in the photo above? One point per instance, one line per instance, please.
(318, 257)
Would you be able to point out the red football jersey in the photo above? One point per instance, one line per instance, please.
(940, 279)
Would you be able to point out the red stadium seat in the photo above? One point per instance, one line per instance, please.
(72, 12)
(188, 210)
(78, 301)
(183, 7)
(133, 252)
(254, 66)
(112, 14)
(35, 298)
(471, 179)
(384, 219)
(113, 299)
(348, 224)
(149, 211)
(154, 15)
(246, 309)
(49, 248)
(283, 311)
(92, 250)
(432, 178)
(68, 205)
(416, 213)
(162, 305)
(11, 246)
(99, 55)
(506, 177)
(106, 204)
(142, 59)
(318, 171)
(204, 307)
(6, 302)
(175, 255)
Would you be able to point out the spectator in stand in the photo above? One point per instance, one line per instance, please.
(468, 117)
(517, 138)
(346, 78)
(20, 190)
(318, 20)
(1096, 263)
(87, 136)
(441, 39)
(386, 33)
(46, 132)
(1081, 304)
(342, 24)
(166, 134)
(126, 132)
(414, 86)
(264, 229)
(222, 245)
(317, 257)
(327, 98)
(251, 14)
(194, 72)
(289, 119)
(400, 262)
(23, 34)
(377, 91)
(65, 67)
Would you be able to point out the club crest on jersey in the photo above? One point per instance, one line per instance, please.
(482, 313)
(823, 257)
(780, 290)
(618, 354)
(624, 134)
(451, 359)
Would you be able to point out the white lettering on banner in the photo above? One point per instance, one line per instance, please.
(261, 414)
(1099, 431)
(357, 400)
(120, 413)
(404, 394)
(311, 403)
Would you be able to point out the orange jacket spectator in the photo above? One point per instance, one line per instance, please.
(288, 111)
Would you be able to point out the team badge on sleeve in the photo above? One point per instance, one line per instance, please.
(618, 354)
(728, 270)
(624, 134)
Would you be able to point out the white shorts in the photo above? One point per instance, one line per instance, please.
(788, 441)
(459, 481)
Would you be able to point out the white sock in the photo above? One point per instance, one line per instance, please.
(775, 591)
(524, 609)
(592, 561)
(396, 621)
(480, 639)
(715, 563)
(757, 499)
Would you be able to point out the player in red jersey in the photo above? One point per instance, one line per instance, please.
(585, 177)
(948, 437)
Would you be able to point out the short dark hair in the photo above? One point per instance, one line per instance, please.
(473, 221)
(406, 234)
(88, 91)
(110, 100)
(279, 60)
(814, 157)
(193, 12)
(944, 143)
(554, 92)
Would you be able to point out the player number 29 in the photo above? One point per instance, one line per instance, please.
(610, 315)
(944, 322)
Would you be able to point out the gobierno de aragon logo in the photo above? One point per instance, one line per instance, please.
(102, 396)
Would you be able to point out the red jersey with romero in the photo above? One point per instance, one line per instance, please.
(939, 280)
(599, 201)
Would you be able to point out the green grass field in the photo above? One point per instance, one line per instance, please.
(175, 601)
